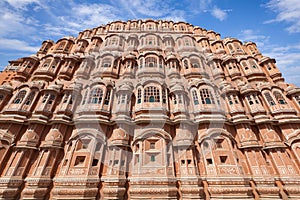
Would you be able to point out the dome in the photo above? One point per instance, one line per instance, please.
(29, 139)
(119, 137)
(54, 135)
(53, 138)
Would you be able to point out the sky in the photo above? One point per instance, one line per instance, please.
(274, 25)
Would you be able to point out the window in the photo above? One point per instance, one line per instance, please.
(106, 62)
(95, 162)
(164, 96)
(209, 161)
(79, 160)
(229, 100)
(206, 97)
(152, 158)
(252, 98)
(151, 62)
(139, 96)
(122, 98)
(223, 159)
(107, 97)
(195, 97)
(150, 41)
(279, 97)
(298, 99)
(96, 96)
(61, 45)
(180, 98)
(113, 41)
(66, 98)
(185, 64)
(253, 64)
(29, 98)
(195, 63)
(19, 98)
(269, 99)
(51, 99)
(175, 99)
(151, 94)
(187, 42)
(152, 145)
(232, 99)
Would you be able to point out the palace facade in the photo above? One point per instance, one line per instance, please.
(148, 109)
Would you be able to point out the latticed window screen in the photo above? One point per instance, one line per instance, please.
(106, 62)
(233, 99)
(279, 97)
(151, 94)
(19, 98)
(164, 96)
(107, 97)
(206, 97)
(195, 63)
(151, 62)
(29, 99)
(269, 99)
(96, 96)
(139, 96)
(195, 97)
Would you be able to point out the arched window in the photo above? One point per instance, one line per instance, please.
(19, 98)
(106, 62)
(187, 42)
(195, 63)
(150, 40)
(206, 97)
(245, 65)
(195, 97)
(253, 64)
(29, 99)
(151, 62)
(151, 94)
(269, 98)
(61, 46)
(252, 98)
(96, 96)
(233, 99)
(279, 97)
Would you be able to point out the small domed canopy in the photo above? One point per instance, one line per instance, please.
(54, 138)
(119, 137)
(29, 139)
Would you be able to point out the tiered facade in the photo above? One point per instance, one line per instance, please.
(148, 110)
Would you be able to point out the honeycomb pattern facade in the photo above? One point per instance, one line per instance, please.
(148, 109)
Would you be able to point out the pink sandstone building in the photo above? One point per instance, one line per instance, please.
(148, 109)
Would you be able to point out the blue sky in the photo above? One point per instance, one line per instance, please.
(273, 24)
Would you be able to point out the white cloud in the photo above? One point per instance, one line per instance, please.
(254, 36)
(14, 44)
(218, 13)
(21, 4)
(287, 11)
(287, 60)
